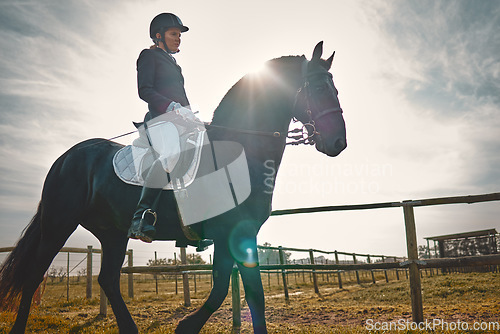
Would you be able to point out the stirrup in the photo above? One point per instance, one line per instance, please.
(151, 212)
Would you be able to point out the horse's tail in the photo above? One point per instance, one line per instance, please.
(14, 271)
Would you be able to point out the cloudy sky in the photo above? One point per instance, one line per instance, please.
(418, 82)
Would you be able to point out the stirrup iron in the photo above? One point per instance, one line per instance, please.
(151, 212)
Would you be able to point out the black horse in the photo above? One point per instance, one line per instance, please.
(82, 188)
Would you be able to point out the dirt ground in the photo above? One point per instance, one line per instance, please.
(451, 298)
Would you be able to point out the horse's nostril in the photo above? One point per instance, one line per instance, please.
(340, 144)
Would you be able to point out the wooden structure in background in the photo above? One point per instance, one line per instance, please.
(483, 242)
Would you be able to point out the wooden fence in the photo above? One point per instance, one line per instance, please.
(89, 251)
(413, 264)
(282, 268)
(314, 269)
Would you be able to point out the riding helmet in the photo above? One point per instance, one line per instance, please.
(163, 21)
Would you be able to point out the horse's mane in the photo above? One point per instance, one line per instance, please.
(254, 89)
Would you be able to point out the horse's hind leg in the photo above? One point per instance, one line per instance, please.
(41, 258)
(114, 245)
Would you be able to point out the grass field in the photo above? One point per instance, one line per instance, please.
(468, 298)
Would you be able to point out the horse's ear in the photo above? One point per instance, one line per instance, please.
(329, 61)
(318, 51)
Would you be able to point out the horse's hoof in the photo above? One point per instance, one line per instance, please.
(180, 329)
(185, 326)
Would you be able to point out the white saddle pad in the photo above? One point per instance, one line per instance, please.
(132, 162)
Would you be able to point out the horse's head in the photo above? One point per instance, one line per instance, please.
(317, 105)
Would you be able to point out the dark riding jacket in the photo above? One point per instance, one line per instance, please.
(160, 80)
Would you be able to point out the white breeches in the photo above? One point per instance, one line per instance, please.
(165, 139)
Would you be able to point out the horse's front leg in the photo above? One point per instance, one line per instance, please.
(223, 264)
(254, 292)
(114, 246)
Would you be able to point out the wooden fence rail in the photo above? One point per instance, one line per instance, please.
(467, 261)
(470, 199)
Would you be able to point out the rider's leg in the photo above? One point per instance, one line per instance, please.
(145, 216)
(164, 138)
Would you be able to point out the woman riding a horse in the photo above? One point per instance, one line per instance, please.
(161, 84)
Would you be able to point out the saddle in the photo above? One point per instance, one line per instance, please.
(209, 179)
(132, 163)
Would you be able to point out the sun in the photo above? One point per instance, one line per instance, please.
(258, 68)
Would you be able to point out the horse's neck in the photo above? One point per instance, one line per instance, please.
(261, 104)
(253, 126)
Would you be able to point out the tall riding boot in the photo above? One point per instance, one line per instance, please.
(144, 220)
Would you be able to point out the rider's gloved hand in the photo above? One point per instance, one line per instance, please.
(184, 112)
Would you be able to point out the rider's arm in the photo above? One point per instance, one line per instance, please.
(146, 84)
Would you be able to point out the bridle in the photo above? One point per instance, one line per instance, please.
(303, 135)
(307, 133)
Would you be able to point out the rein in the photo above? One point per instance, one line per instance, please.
(275, 134)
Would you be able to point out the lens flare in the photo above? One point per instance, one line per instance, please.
(243, 244)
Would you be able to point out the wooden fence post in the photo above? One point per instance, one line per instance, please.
(339, 273)
(130, 275)
(156, 275)
(176, 282)
(397, 270)
(194, 279)
(211, 278)
(67, 281)
(385, 271)
(103, 305)
(268, 277)
(89, 272)
(195, 286)
(296, 273)
(303, 272)
(236, 300)
(415, 284)
(315, 279)
(327, 273)
(283, 273)
(357, 272)
(373, 275)
(185, 279)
